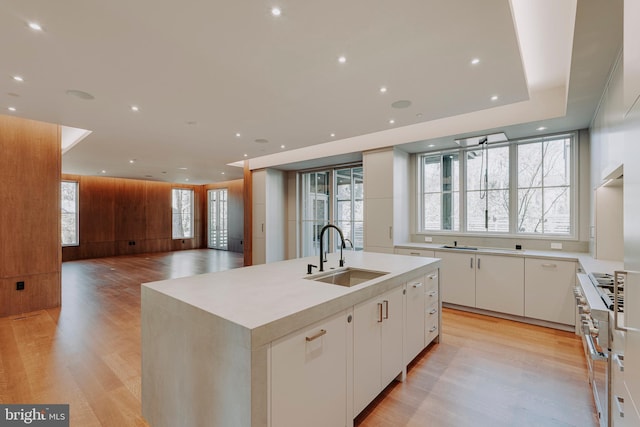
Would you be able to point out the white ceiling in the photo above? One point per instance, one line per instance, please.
(202, 71)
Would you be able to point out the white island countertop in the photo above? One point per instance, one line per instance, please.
(272, 300)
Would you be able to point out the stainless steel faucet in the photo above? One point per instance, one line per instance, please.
(322, 245)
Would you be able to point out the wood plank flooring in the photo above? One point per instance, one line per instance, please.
(486, 371)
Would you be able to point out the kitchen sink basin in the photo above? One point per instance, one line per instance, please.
(348, 277)
(468, 248)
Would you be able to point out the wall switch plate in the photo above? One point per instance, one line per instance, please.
(556, 245)
(428, 239)
(19, 286)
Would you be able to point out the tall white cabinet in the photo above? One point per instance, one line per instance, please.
(386, 199)
(269, 215)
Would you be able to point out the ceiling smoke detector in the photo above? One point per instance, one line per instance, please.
(261, 141)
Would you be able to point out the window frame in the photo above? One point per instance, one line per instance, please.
(513, 145)
(76, 213)
(192, 214)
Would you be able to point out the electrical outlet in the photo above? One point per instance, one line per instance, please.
(555, 245)
(428, 239)
(19, 286)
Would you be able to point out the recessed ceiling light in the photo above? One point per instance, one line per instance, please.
(542, 128)
(275, 11)
(222, 173)
(383, 89)
(238, 135)
(12, 108)
(18, 78)
(391, 121)
(494, 98)
(35, 26)
(282, 146)
(475, 61)
(246, 155)
(135, 108)
(342, 59)
(104, 171)
(186, 179)
(333, 135)
(183, 169)
(432, 145)
(132, 161)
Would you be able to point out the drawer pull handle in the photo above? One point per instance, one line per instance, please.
(379, 312)
(432, 293)
(432, 276)
(549, 265)
(619, 403)
(386, 309)
(316, 336)
(434, 311)
(433, 329)
(417, 285)
(619, 359)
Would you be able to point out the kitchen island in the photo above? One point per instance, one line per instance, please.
(214, 346)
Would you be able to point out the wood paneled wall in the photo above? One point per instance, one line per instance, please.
(235, 207)
(126, 216)
(30, 164)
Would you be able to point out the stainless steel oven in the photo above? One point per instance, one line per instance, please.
(594, 329)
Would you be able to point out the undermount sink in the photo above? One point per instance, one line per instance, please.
(468, 248)
(348, 277)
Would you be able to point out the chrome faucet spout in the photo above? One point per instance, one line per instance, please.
(322, 244)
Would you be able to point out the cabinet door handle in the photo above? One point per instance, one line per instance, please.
(262, 228)
(478, 263)
(379, 312)
(433, 329)
(434, 311)
(316, 336)
(386, 309)
(619, 402)
(432, 293)
(417, 285)
(471, 262)
(391, 232)
(414, 253)
(549, 265)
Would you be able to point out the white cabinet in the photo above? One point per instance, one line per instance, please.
(308, 380)
(433, 308)
(490, 282)
(458, 278)
(415, 252)
(415, 318)
(500, 284)
(377, 345)
(548, 293)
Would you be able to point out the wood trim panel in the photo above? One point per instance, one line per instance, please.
(248, 215)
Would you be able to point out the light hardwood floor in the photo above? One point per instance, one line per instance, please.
(486, 371)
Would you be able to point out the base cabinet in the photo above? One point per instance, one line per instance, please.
(377, 346)
(458, 278)
(545, 278)
(415, 320)
(308, 382)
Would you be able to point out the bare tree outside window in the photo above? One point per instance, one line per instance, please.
(182, 213)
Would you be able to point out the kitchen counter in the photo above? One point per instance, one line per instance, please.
(588, 263)
(206, 338)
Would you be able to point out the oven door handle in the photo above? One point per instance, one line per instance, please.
(593, 353)
(616, 325)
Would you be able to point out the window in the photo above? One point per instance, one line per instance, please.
(487, 189)
(69, 213)
(182, 207)
(441, 191)
(332, 196)
(544, 187)
(218, 229)
(525, 187)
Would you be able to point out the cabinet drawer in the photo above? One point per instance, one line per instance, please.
(431, 323)
(431, 281)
